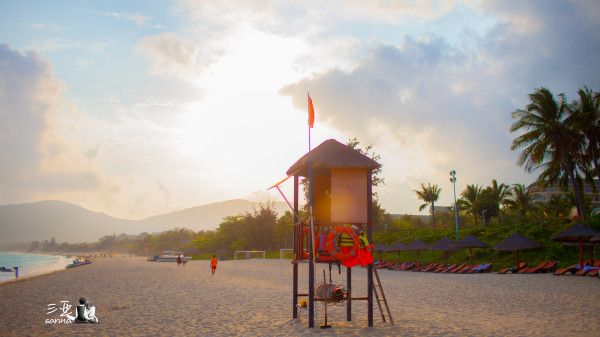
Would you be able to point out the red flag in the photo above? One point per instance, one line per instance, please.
(311, 113)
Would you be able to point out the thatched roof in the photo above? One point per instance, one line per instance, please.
(515, 242)
(418, 245)
(397, 247)
(444, 244)
(379, 247)
(331, 154)
(471, 242)
(575, 233)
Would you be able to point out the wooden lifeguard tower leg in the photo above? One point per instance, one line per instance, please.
(370, 238)
(295, 276)
(349, 285)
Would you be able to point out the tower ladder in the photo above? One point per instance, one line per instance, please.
(381, 299)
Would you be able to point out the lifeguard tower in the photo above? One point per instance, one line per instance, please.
(341, 194)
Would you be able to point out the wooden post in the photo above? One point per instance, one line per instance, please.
(295, 277)
(349, 285)
(370, 238)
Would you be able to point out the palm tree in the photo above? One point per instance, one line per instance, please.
(521, 200)
(469, 200)
(501, 193)
(430, 195)
(548, 139)
(586, 117)
(559, 206)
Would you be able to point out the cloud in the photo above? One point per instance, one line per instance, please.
(437, 106)
(137, 18)
(37, 162)
(170, 55)
(54, 44)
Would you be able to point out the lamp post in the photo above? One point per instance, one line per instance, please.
(453, 181)
(483, 217)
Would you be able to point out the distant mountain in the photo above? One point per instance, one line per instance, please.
(206, 217)
(71, 223)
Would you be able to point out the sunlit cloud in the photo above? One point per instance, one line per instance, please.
(137, 18)
(214, 108)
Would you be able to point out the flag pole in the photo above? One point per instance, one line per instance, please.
(311, 262)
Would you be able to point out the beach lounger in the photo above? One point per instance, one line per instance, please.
(384, 264)
(549, 268)
(513, 270)
(589, 269)
(423, 267)
(467, 269)
(441, 269)
(571, 269)
(482, 268)
(434, 267)
(410, 267)
(452, 271)
(401, 265)
(486, 268)
(534, 270)
(594, 272)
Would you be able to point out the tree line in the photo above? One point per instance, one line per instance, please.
(560, 139)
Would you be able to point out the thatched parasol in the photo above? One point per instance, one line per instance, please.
(592, 244)
(445, 245)
(417, 245)
(470, 242)
(379, 247)
(331, 153)
(578, 233)
(397, 247)
(515, 243)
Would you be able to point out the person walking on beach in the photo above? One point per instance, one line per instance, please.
(213, 265)
(184, 260)
(178, 260)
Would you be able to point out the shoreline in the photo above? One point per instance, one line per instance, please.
(138, 298)
(25, 276)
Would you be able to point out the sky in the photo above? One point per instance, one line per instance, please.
(139, 108)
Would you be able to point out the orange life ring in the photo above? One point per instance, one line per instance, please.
(317, 243)
(331, 243)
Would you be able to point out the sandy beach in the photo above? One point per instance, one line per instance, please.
(138, 298)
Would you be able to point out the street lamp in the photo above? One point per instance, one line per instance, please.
(453, 181)
(483, 216)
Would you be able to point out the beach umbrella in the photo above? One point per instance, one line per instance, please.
(515, 243)
(579, 233)
(470, 242)
(445, 245)
(379, 247)
(417, 245)
(591, 244)
(397, 247)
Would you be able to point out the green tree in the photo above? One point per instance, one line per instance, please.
(429, 195)
(549, 138)
(500, 194)
(487, 201)
(468, 200)
(585, 113)
(559, 207)
(521, 201)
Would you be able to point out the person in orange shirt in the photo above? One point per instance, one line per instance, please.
(213, 264)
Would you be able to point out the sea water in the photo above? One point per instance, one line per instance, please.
(31, 264)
